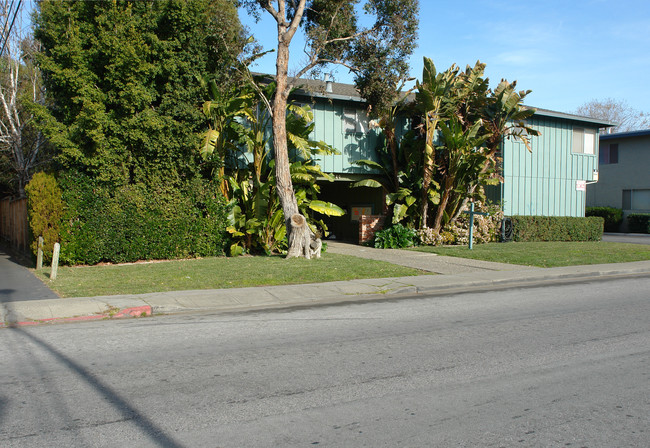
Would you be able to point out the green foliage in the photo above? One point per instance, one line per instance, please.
(557, 228)
(472, 120)
(396, 237)
(256, 221)
(140, 222)
(44, 209)
(487, 228)
(612, 216)
(639, 223)
(123, 83)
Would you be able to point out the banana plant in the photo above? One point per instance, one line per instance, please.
(432, 96)
(401, 186)
(463, 156)
(224, 111)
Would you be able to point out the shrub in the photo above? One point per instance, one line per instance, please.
(44, 210)
(557, 228)
(395, 237)
(612, 216)
(140, 222)
(486, 228)
(639, 223)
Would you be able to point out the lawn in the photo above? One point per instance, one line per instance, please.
(214, 273)
(547, 254)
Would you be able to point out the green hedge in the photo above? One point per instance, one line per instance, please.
(137, 222)
(639, 223)
(612, 216)
(557, 228)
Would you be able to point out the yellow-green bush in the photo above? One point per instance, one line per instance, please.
(44, 210)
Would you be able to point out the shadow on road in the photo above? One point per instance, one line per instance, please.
(149, 428)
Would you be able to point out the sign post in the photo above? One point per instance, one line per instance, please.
(471, 214)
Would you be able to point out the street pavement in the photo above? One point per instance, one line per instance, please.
(444, 275)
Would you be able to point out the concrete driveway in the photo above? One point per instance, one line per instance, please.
(633, 238)
(17, 283)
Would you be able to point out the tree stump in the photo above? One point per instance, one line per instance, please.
(302, 241)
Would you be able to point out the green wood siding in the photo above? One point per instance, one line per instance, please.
(329, 127)
(543, 182)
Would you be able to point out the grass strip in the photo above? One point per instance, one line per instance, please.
(547, 254)
(214, 273)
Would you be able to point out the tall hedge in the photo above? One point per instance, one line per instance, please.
(612, 216)
(123, 82)
(140, 222)
(639, 222)
(557, 228)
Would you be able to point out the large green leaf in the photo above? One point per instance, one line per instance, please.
(367, 183)
(210, 139)
(369, 164)
(326, 208)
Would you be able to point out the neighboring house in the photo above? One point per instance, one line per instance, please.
(549, 181)
(624, 180)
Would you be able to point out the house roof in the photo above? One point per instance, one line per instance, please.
(348, 92)
(622, 135)
(554, 114)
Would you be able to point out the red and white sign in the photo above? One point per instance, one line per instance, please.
(581, 185)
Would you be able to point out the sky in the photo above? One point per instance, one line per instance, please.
(567, 52)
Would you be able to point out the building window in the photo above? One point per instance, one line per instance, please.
(355, 121)
(608, 154)
(636, 199)
(584, 141)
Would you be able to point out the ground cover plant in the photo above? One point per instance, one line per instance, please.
(214, 273)
(547, 254)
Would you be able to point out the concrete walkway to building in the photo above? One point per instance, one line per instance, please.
(437, 264)
(448, 276)
(632, 238)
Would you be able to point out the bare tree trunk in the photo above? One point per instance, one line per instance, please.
(297, 246)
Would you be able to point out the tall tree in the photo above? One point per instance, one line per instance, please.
(333, 37)
(123, 82)
(616, 111)
(22, 147)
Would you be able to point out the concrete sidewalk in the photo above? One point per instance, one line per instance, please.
(458, 275)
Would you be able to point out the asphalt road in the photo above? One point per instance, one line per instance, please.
(565, 366)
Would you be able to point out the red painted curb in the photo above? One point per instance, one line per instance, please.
(137, 311)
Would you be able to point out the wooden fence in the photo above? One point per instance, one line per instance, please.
(13, 223)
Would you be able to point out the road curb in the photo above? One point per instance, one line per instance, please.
(137, 311)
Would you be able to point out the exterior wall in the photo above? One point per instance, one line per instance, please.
(329, 126)
(632, 172)
(543, 182)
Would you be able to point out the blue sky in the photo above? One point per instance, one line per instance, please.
(567, 52)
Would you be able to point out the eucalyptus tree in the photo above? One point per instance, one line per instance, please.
(22, 146)
(377, 54)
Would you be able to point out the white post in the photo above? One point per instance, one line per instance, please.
(39, 254)
(55, 261)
